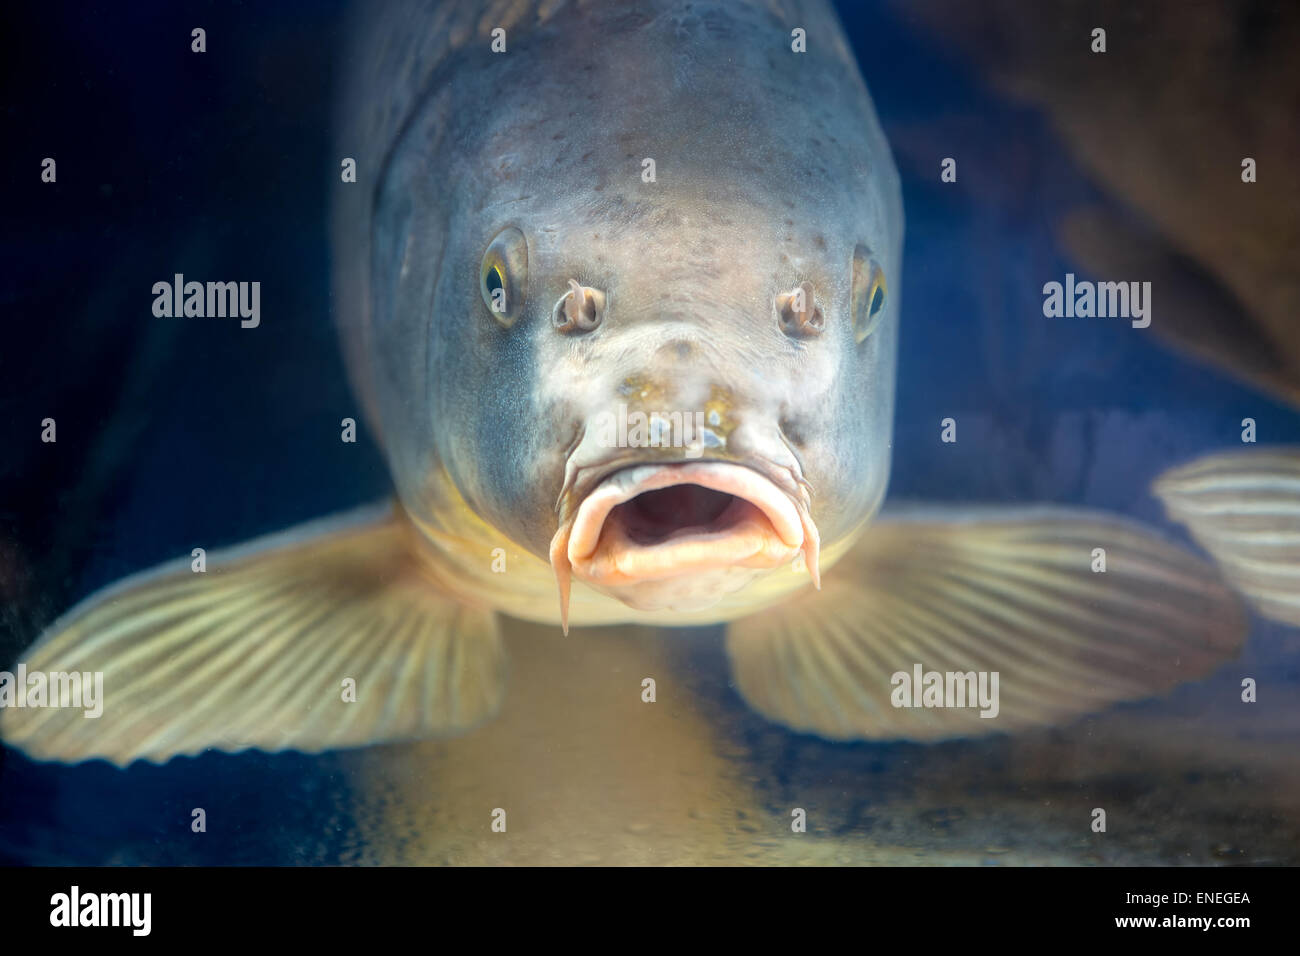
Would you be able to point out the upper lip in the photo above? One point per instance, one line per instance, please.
(581, 479)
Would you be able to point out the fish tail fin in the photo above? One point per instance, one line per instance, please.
(1028, 617)
(1243, 507)
(325, 636)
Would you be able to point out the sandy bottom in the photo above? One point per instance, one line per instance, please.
(587, 773)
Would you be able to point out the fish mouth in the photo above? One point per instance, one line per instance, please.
(680, 535)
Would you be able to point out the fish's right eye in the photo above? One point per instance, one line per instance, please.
(503, 276)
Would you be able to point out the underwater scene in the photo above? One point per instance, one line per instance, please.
(669, 433)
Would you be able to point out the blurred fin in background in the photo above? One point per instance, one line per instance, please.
(1163, 121)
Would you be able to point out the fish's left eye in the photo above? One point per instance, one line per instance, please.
(503, 275)
(869, 293)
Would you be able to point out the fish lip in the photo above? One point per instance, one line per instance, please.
(744, 484)
(782, 481)
(582, 479)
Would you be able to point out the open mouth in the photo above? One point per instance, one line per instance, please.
(654, 517)
(646, 525)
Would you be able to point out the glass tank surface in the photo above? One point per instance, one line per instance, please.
(664, 433)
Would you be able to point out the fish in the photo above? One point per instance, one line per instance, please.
(1224, 264)
(1148, 137)
(679, 225)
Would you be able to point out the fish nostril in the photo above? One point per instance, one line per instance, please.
(798, 312)
(579, 310)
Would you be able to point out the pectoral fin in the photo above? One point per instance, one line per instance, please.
(1011, 592)
(256, 650)
(1244, 508)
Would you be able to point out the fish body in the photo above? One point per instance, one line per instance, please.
(616, 291)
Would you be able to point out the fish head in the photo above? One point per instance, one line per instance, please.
(660, 353)
(688, 401)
